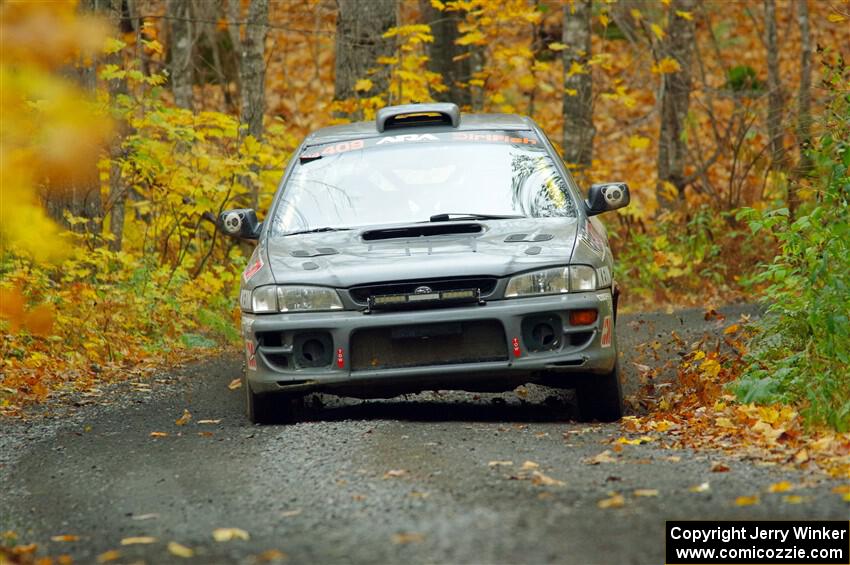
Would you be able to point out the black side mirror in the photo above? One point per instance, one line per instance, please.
(607, 196)
(241, 223)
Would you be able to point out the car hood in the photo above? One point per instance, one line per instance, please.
(343, 259)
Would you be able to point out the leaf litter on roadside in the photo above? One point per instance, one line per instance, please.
(698, 413)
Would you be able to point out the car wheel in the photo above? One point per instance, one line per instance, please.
(600, 397)
(270, 408)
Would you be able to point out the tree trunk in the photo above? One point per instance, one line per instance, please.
(81, 197)
(774, 87)
(250, 49)
(804, 104)
(359, 27)
(675, 100)
(181, 43)
(117, 188)
(443, 52)
(252, 67)
(578, 86)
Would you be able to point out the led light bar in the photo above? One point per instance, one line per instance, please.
(434, 299)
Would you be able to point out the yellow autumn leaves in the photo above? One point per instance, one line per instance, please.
(52, 131)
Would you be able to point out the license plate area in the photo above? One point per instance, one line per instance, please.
(420, 345)
(426, 331)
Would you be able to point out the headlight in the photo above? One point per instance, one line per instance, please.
(559, 280)
(266, 299)
(301, 298)
(582, 278)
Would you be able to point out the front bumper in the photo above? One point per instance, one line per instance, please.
(275, 364)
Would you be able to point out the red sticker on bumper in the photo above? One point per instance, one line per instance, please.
(515, 344)
(340, 358)
(250, 355)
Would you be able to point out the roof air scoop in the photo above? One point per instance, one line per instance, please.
(407, 115)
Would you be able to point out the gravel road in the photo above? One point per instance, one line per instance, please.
(413, 479)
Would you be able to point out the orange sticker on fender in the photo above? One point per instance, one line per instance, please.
(606, 332)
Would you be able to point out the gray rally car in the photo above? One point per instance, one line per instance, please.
(428, 250)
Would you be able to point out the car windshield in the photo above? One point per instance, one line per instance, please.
(412, 177)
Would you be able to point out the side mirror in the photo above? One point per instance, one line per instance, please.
(607, 196)
(241, 223)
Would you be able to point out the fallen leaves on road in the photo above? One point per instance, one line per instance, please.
(228, 534)
(615, 500)
(65, 538)
(639, 441)
(530, 471)
(290, 513)
(138, 540)
(395, 473)
(646, 492)
(270, 556)
(781, 486)
(747, 500)
(500, 463)
(109, 556)
(184, 419)
(719, 467)
(539, 479)
(235, 383)
(702, 487)
(407, 537)
(180, 550)
(209, 421)
(604, 457)
(793, 499)
(159, 434)
(145, 516)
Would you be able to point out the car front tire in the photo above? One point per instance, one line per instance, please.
(270, 408)
(600, 397)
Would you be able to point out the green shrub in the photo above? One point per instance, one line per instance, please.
(801, 352)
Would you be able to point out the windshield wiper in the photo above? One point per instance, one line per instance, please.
(315, 230)
(464, 216)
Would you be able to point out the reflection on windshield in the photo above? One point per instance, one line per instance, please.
(412, 181)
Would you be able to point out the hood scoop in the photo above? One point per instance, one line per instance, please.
(526, 238)
(425, 230)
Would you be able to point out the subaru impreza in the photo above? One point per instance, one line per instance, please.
(428, 250)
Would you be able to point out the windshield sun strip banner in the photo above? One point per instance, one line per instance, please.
(522, 137)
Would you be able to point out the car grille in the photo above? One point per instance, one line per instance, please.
(361, 294)
(428, 344)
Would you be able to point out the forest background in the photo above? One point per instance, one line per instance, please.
(128, 125)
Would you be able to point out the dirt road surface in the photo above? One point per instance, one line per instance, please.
(417, 479)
